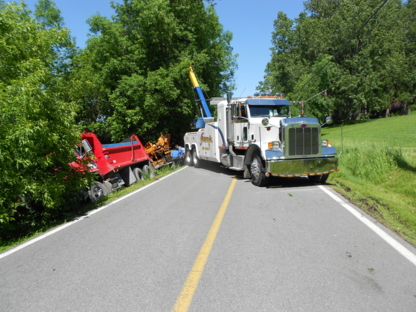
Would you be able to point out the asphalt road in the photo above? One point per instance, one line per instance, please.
(288, 247)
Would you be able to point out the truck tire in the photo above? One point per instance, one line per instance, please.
(188, 157)
(258, 177)
(138, 173)
(319, 179)
(148, 171)
(195, 159)
(97, 191)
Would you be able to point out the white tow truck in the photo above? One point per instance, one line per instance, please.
(257, 135)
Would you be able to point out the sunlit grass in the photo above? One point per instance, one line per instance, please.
(378, 169)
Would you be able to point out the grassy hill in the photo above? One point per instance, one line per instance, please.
(378, 169)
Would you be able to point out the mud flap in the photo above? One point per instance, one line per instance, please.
(108, 186)
(127, 176)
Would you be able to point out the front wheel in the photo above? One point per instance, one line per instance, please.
(258, 177)
(319, 179)
(97, 191)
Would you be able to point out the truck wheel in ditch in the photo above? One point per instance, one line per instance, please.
(258, 177)
(188, 158)
(97, 191)
(195, 159)
(319, 179)
(148, 171)
(138, 174)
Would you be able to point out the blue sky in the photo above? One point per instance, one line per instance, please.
(251, 23)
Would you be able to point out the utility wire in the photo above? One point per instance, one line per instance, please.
(340, 49)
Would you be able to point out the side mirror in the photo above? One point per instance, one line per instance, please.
(229, 97)
(86, 145)
(328, 120)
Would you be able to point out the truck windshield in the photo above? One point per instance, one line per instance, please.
(269, 111)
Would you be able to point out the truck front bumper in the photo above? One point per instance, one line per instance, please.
(301, 167)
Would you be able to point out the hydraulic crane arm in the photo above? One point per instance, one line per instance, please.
(198, 91)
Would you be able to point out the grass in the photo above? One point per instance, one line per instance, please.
(81, 209)
(378, 170)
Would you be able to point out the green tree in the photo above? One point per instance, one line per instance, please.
(48, 15)
(37, 128)
(410, 28)
(285, 67)
(134, 75)
(363, 72)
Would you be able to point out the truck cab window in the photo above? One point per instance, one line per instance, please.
(269, 111)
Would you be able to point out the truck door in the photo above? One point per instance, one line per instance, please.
(241, 125)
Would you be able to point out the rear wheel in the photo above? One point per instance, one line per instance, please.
(188, 157)
(319, 179)
(148, 171)
(97, 191)
(195, 159)
(258, 177)
(138, 173)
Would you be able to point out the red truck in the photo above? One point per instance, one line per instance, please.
(116, 164)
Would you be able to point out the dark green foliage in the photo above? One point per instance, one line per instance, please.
(134, 77)
(410, 47)
(37, 129)
(364, 70)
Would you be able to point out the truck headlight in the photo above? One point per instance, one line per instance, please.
(326, 143)
(274, 145)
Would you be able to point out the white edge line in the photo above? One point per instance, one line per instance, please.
(77, 219)
(390, 240)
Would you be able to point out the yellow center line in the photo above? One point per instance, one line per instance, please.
(188, 290)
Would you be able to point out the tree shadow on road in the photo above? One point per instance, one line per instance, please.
(276, 182)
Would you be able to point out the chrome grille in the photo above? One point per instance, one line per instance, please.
(303, 141)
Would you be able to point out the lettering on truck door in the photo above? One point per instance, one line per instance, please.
(209, 143)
